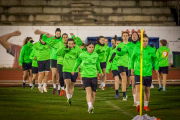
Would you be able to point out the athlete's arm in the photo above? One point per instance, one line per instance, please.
(21, 56)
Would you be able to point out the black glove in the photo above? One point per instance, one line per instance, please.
(119, 49)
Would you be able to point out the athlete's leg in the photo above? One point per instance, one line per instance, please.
(164, 81)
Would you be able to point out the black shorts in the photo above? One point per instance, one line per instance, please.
(26, 66)
(124, 69)
(44, 66)
(90, 82)
(67, 75)
(103, 65)
(146, 80)
(34, 70)
(164, 70)
(59, 69)
(116, 73)
(53, 63)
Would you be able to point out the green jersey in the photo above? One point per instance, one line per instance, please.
(123, 59)
(107, 52)
(70, 56)
(60, 58)
(149, 57)
(32, 56)
(53, 50)
(162, 56)
(128, 49)
(101, 51)
(24, 53)
(112, 64)
(42, 51)
(89, 64)
(77, 41)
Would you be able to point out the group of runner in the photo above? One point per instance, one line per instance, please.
(69, 56)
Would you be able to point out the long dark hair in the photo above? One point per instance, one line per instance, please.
(115, 38)
(26, 40)
(97, 40)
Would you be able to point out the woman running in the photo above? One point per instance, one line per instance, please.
(129, 48)
(43, 60)
(100, 49)
(112, 64)
(33, 57)
(60, 64)
(25, 62)
(89, 64)
(123, 65)
(162, 56)
(53, 57)
(149, 57)
(70, 53)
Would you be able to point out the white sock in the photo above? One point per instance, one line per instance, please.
(137, 103)
(59, 87)
(54, 86)
(89, 104)
(62, 88)
(30, 84)
(134, 96)
(71, 96)
(103, 84)
(68, 96)
(146, 103)
(24, 81)
(39, 85)
(164, 88)
(159, 85)
(81, 82)
(45, 84)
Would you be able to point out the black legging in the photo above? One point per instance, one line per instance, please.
(61, 79)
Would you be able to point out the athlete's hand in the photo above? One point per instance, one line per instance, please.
(71, 34)
(101, 74)
(156, 71)
(72, 73)
(46, 34)
(34, 58)
(132, 71)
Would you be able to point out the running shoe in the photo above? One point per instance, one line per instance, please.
(69, 101)
(124, 99)
(32, 87)
(54, 90)
(138, 108)
(40, 89)
(90, 110)
(117, 96)
(58, 92)
(44, 88)
(146, 108)
(62, 92)
(23, 85)
(160, 88)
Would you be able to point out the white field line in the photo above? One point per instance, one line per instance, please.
(116, 107)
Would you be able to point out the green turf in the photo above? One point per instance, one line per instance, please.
(26, 104)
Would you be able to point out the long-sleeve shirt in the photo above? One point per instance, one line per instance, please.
(89, 64)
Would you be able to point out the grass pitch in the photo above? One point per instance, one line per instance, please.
(17, 103)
